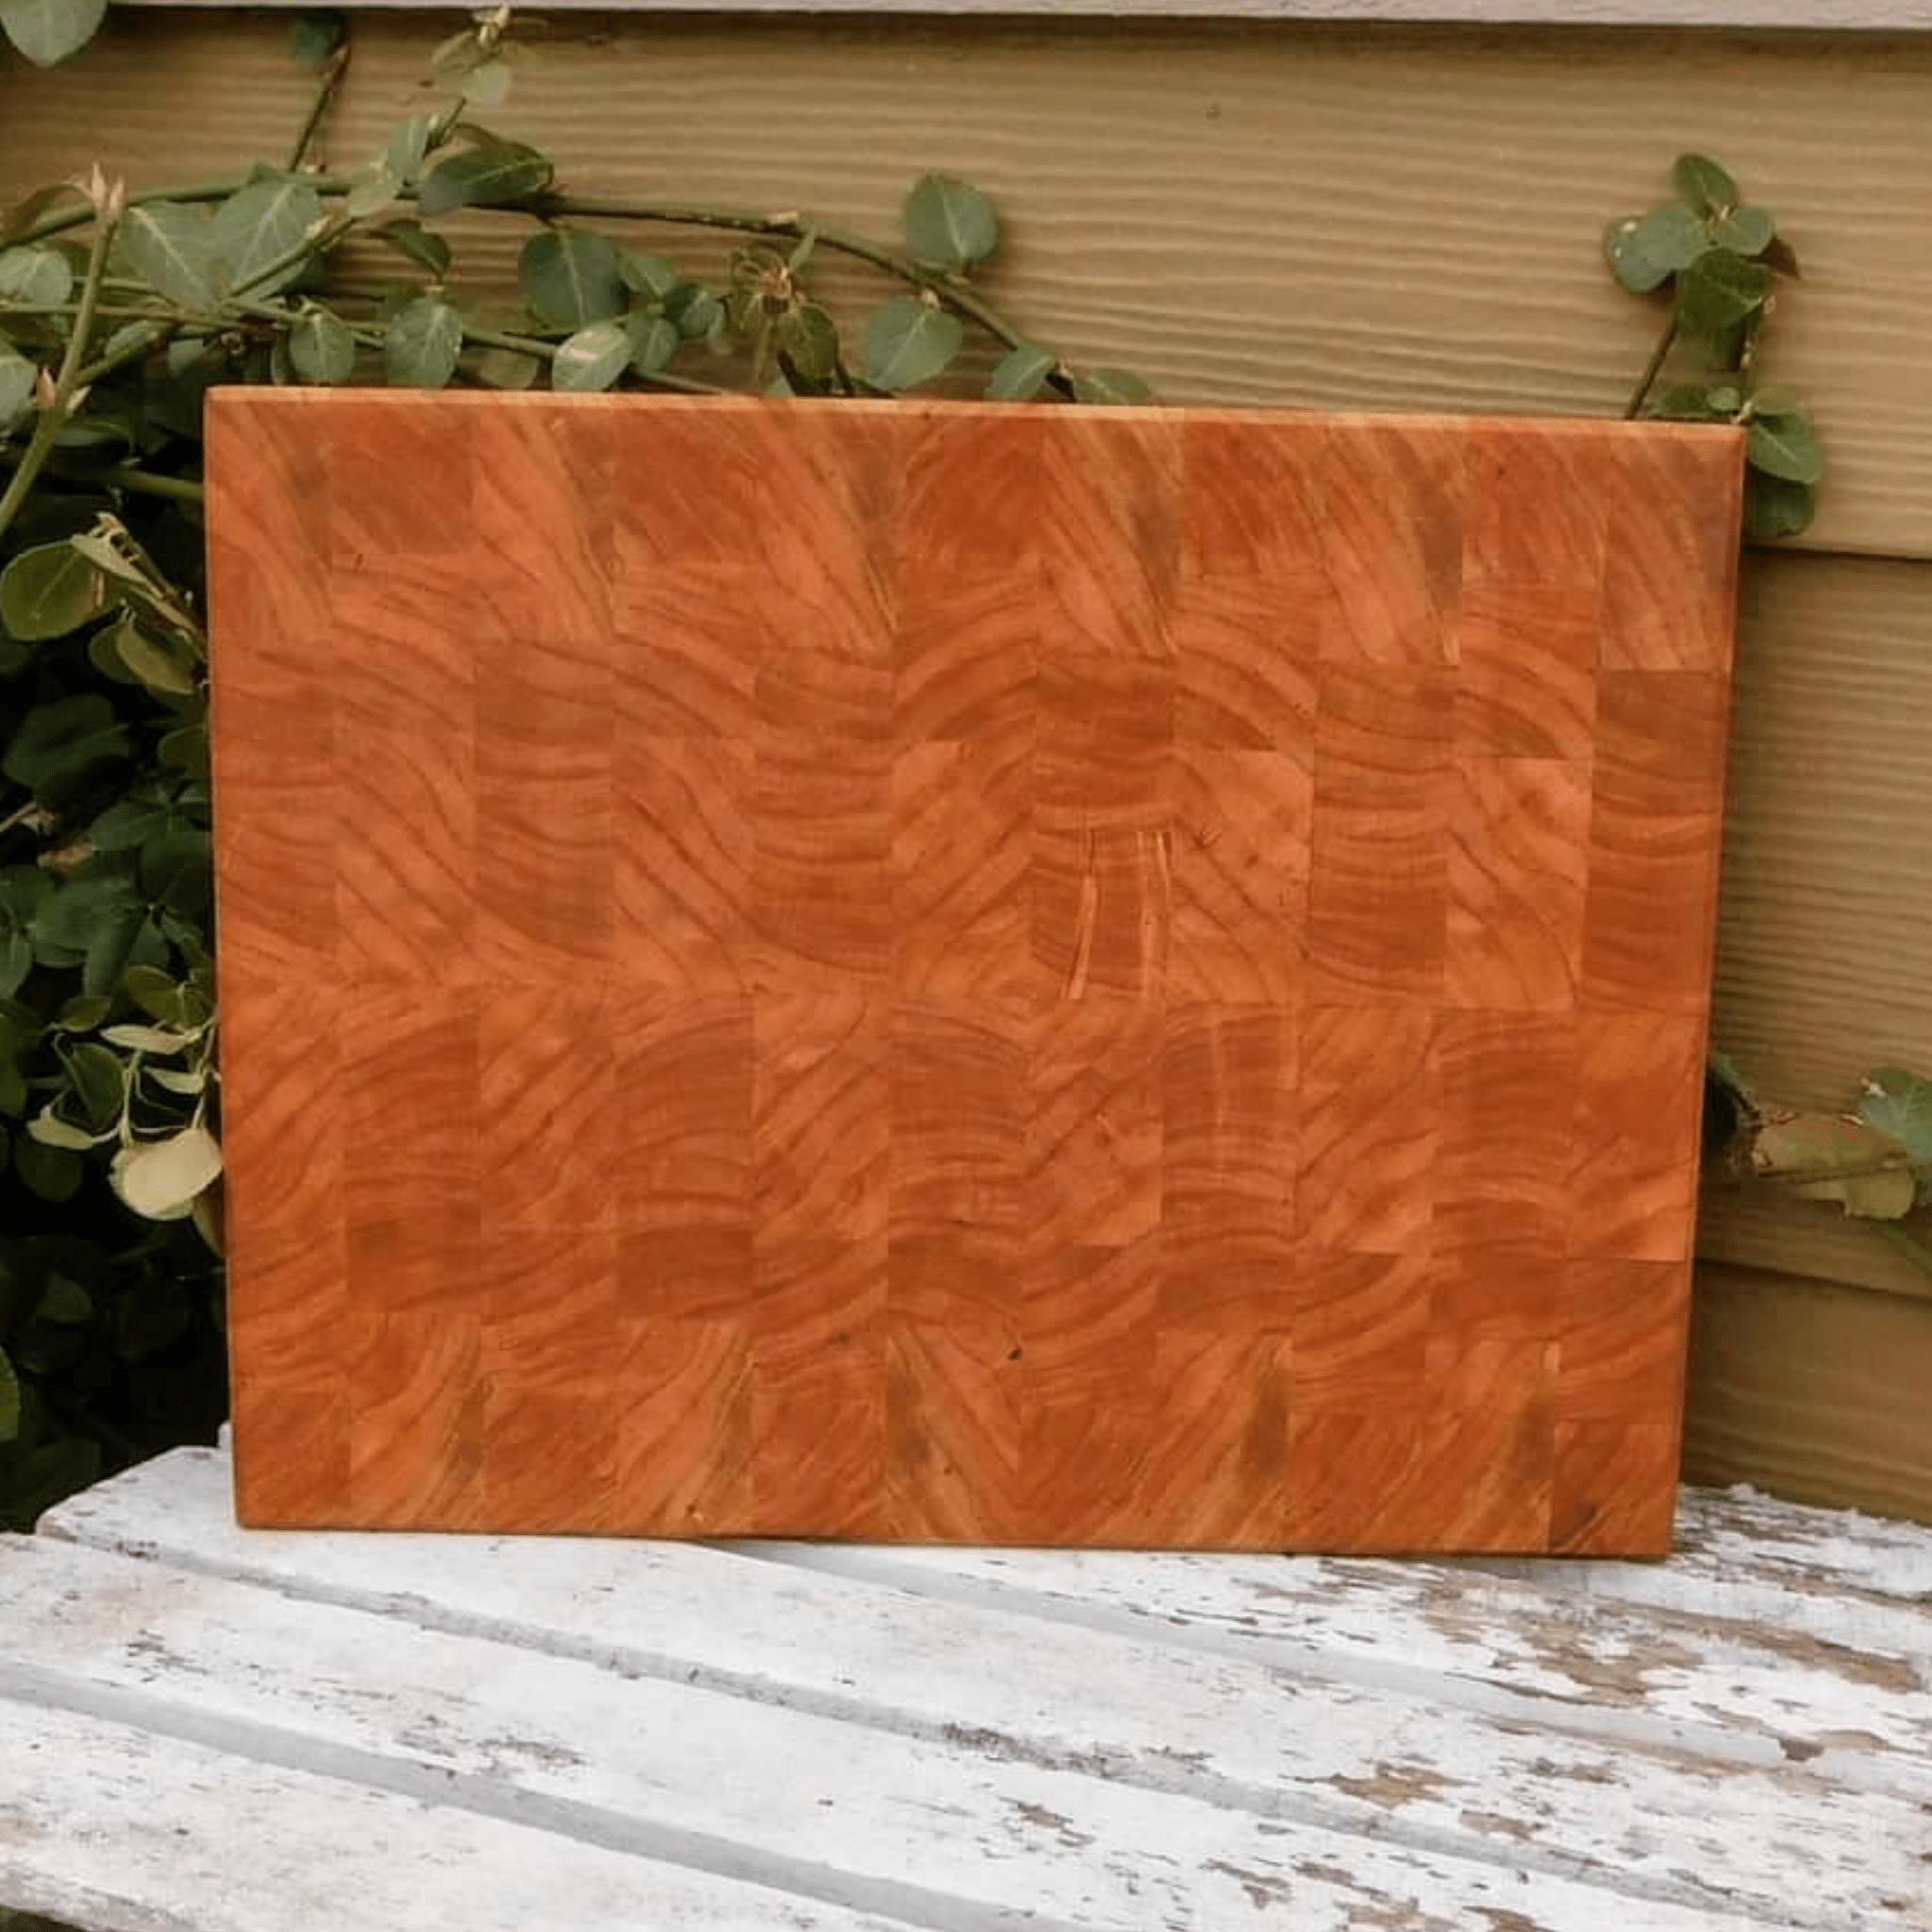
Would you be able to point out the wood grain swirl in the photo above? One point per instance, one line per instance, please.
(1086, 976)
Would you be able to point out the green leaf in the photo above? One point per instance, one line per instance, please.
(62, 740)
(493, 173)
(1020, 373)
(49, 590)
(50, 1130)
(423, 340)
(909, 342)
(1837, 1155)
(1899, 1103)
(507, 368)
(1784, 446)
(1747, 231)
(408, 141)
(161, 1178)
(1718, 292)
(80, 910)
(654, 341)
(9, 1399)
(321, 347)
(36, 277)
(592, 358)
(95, 1073)
(947, 221)
(48, 32)
(16, 960)
(82, 1013)
(55, 1174)
(167, 244)
(808, 338)
(1646, 250)
(258, 227)
(487, 83)
(64, 1302)
(1703, 185)
(1112, 386)
(315, 37)
(695, 310)
(1777, 399)
(1775, 506)
(146, 1038)
(571, 277)
(16, 385)
(423, 246)
(372, 188)
(154, 993)
(161, 666)
(1699, 402)
(649, 275)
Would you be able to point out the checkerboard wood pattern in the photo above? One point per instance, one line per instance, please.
(964, 973)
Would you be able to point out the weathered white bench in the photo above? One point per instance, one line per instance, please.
(205, 1729)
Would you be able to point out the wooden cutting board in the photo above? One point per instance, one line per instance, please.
(964, 973)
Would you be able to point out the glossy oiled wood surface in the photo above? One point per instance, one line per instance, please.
(962, 973)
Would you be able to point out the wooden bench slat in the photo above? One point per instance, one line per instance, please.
(1141, 1710)
(114, 1827)
(939, 1836)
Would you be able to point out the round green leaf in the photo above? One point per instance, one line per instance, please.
(949, 222)
(1646, 251)
(650, 275)
(493, 173)
(1699, 402)
(315, 37)
(166, 244)
(50, 1130)
(55, 1174)
(1114, 386)
(60, 743)
(1020, 373)
(1837, 1156)
(1703, 185)
(571, 277)
(49, 30)
(16, 385)
(808, 338)
(592, 358)
(1900, 1104)
(49, 590)
(487, 83)
(257, 227)
(1718, 292)
(408, 141)
(37, 278)
(372, 188)
(654, 341)
(909, 342)
(161, 1178)
(1784, 446)
(322, 348)
(425, 339)
(1747, 231)
(1775, 506)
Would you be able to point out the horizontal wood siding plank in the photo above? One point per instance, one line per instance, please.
(1825, 911)
(1266, 212)
(1814, 1391)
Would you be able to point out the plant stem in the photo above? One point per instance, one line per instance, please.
(1652, 368)
(793, 227)
(71, 378)
(331, 78)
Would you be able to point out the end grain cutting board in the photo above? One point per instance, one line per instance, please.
(1063, 976)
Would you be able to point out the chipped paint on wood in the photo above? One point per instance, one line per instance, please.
(1097, 1740)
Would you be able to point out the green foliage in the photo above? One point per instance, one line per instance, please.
(49, 30)
(1716, 260)
(1874, 1162)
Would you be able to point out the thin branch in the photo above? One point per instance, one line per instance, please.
(72, 381)
(1652, 368)
(328, 81)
